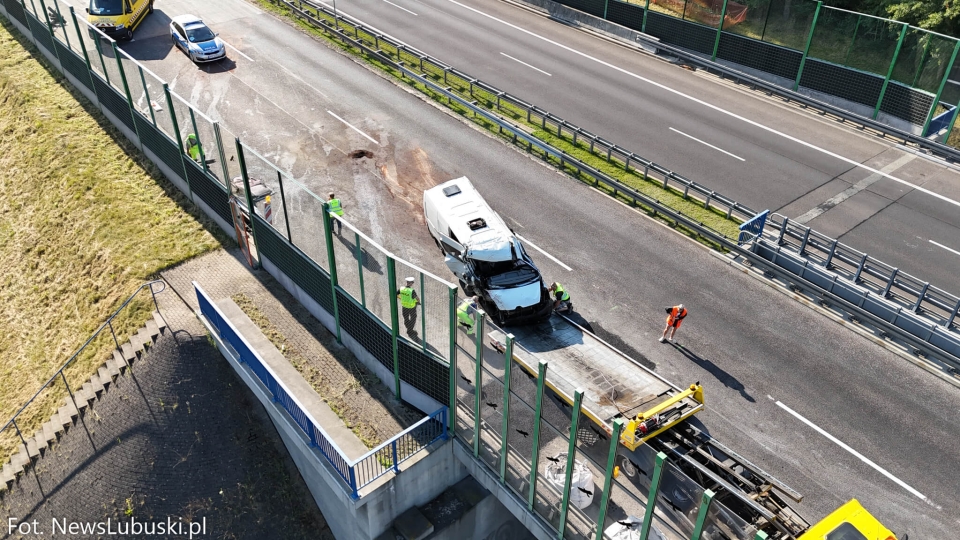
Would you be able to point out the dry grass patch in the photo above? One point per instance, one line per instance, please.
(82, 225)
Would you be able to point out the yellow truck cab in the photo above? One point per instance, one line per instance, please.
(849, 522)
(118, 18)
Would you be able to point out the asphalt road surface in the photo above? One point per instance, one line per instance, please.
(750, 148)
(763, 358)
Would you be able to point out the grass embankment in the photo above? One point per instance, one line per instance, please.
(82, 225)
(613, 167)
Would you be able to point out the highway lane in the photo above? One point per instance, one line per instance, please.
(750, 346)
(775, 172)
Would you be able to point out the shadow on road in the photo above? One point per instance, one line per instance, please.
(727, 379)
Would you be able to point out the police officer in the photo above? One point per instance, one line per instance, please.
(465, 314)
(561, 303)
(409, 302)
(337, 208)
(193, 147)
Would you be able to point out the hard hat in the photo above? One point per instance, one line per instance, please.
(409, 280)
(680, 307)
(330, 194)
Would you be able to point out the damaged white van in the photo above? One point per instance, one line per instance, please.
(484, 254)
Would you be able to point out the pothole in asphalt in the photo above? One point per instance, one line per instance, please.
(357, 154)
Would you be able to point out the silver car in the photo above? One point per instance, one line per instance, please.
(193, 37)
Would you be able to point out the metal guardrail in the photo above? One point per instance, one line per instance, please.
(922, 334)
(355, 473)
(108, 324)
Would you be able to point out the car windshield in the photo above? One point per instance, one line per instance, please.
(106, 7)
(198, 33)
(507, 274)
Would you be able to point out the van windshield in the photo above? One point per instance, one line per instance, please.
(507, 274)
(106, 7)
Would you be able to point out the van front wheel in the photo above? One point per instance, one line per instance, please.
(150, 7)
(128, 35)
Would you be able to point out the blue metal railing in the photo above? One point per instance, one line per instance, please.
(356, 474)
(940, 121)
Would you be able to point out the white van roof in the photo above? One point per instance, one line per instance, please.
(474, 224)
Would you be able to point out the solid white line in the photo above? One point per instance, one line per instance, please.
(401, 7)
(526, 64)
(856, 454)
(711, 106)
(353, 128)
(707, 144)
(945, 247)
(551, 257)
(238, 51)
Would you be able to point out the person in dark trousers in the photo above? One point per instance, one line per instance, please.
(675, 316)
(409, 302)
(337, 208)
(561, 302)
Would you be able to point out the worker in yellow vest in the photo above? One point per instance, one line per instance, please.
(337, 208)
(466, 314)
(561, 302)
(193, 147)
(409, 302)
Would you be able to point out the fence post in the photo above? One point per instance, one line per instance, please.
(283, 196)
(716, 42)
(394, 322)
(452, 315)
(359, 250)
(953, 121)
(608, 475)
(246, 188)
(705, 501)
(423, 315)
(63, 21)
(46, 17)
(396, 461)
(146, 94)
(83, 46)
(652, 496)
(332, 262)
(537, 414)
(943, 84)
(806, 49)
(103, 65)
(123, 79)
(923, 60)
(646, 9)
(176, 130)
(606, 3)
(505, 427)
(226, 173)
(893, 63)
(571, 461)
(478, 381)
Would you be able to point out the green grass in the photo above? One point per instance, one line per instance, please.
(84, 220)
(614, 168)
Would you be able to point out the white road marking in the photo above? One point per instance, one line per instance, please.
(238, 51)
(709, 105)
(401, 7)
(526, 64)
(353, 128)
(549, 256)
(856, 454)
(945, 247)
(707, 144)
(821, 208)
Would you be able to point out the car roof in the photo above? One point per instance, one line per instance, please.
(184, 20)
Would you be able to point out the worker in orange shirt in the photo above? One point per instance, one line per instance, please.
(675, 316)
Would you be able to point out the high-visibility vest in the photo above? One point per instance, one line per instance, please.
(335, 206)
(463, 313)
(562, 294)
(674, 316)
(193, 147)
(406, 298)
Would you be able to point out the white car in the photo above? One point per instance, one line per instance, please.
(193, 37)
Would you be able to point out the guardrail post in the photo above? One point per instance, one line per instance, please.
(452, 316)
(923, 292)
(505, 426)
(646, 9)
(394, 322)
(893, 276)
(83, 46)
(783, 230)
(478, 381)
(652, 495)
(705, 501)
(806, 49)
(537, 415)
(608, 475)
(332, 263)
(953, 315)
(893, 62)
(716, 42)
(833, 249)
(803, 243)
(571, 461)
(863, 261)
(943, 84)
